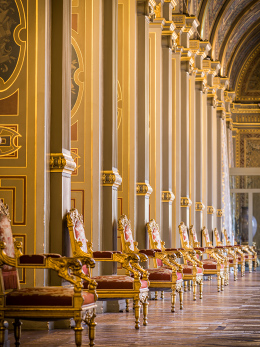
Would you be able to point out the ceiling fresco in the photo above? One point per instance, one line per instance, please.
(233, 29)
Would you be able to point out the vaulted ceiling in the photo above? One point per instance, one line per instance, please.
(233, 29)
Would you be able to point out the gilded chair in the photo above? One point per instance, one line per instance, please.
(234, 255)
(161, 279)
(245, 254)
(42, 303)
(191, 272)
(214, 262)
(110, 287)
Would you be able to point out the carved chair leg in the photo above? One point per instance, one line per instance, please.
(227, 276)
(162, 295)
(219, 283)
(181, 297)
(127, 302)
(173, 298)
(2, 333)
(17, 331)
(145, 311)
(189, 285)
(201, 289)
(250, 265)
(235, 272)
(92, 329)
(78, 331)
(137, 313)
(155, 295)
(185, 286)
(222, 282)
(194, 289)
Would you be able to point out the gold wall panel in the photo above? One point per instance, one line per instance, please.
(9, 106)
(247, 148)
(77, 200)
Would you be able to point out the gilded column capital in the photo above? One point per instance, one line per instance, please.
(186, 202)
(143, 189)
(212, 97)
(145, 7)
(220, 212)
(211, 210)
(199, 206)
(111, 178)
(167, 196)
(61, 162)
(187, 61)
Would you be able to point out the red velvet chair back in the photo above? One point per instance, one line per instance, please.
(124, 226)
(10, 276)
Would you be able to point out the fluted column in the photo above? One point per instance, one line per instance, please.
(61, 162)
(168, 35)
(143, 187)
(110, 176)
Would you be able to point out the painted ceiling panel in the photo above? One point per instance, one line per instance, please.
(243, 25)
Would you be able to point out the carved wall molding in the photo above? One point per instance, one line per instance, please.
(60, 162)
(186, 202)
(167, 196)
(143, 189)
(111, 178)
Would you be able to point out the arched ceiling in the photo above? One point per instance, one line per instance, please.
(233, 29)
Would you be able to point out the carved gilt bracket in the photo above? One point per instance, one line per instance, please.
(143, 189)
(60, 162)
(111, 178)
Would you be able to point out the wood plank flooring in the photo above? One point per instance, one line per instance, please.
(229, 318)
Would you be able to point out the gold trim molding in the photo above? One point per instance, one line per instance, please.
(143, 189)
(111, 178)
(186, 202)
(60, 162)
(199, 206)
(167, 196)
(220, 212)
(211, 210)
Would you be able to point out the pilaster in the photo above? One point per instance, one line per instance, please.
(61, 162)
(110, 177)
(144, 10)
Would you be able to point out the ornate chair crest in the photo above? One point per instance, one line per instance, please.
(41, 303)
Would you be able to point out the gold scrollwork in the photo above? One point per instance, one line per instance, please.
(144, 189)
(9, 141)
(167, 196)
(60, 162)
(220, 212)
(186, 202)
(199, 206)
(211, 210)
(111, 178)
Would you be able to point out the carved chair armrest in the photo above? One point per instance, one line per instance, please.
(202, 249)
(148, 252)
(164, 257)
(106, 255)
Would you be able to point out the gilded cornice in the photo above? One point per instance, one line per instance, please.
(167, 196)
(199, 206)
(212, 96)
(111, 178)
(186, 202)
(61, 162)
(143, 189)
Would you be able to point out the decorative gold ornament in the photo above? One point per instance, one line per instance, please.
(220, 212)
(111, 178)
(61, 162)
(167, 196)
(199, 206)
(186, 202)
(211, 210)
(144, 189)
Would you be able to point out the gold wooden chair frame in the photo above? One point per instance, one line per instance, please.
(110, 287)
(214, 264)
(234, 255)
(190, 272)
(163, 279)
(42, 303)
(245, 254)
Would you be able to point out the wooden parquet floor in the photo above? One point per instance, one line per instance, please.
(229, 318)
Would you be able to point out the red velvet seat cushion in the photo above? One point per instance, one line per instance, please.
(210, 265)
(187, 269)
(45, 296)
(162, 274)
(115, 282)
